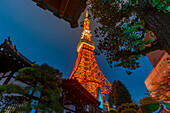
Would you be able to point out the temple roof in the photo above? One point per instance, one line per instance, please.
(69, 10)
(10, 58)
(73, 87)
(163, 109)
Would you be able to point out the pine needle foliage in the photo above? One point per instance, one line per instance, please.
(128, 108)
(35, 87)
(119, 94)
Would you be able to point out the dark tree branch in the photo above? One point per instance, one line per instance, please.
(129, 53)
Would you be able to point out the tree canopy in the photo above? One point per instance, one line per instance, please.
(123, 25)
(145, 100)
(128, 108)
(35, 87)
(119, 94)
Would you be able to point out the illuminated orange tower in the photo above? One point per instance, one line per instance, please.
(86, 69)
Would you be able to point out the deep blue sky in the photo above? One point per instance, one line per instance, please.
(44, 38)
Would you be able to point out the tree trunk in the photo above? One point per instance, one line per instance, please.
(159, 24)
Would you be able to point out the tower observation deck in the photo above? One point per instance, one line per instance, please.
(86, 69)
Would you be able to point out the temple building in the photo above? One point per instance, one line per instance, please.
(10, 61)
(76, 99)
(162, 109)
(158, 81)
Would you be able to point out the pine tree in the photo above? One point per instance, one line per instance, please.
(128, 108)
(35, 87)
(111, 96)
(119, 94)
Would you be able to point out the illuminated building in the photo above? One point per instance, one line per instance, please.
(158, 81)
(86, 70)
(69, 10)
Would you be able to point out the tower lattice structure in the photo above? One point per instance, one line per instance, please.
(86, 69)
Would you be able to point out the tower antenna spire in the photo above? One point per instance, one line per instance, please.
(87, 14)
(86, 34)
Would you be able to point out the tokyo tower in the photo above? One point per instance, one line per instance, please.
(86, 69)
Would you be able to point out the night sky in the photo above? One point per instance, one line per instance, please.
(44, 38)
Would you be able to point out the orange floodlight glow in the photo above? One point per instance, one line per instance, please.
(86, 69)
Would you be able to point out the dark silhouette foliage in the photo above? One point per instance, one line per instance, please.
(146, 100)
(123, 25)
(119, 94)
(113, 111)
(128, 108)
